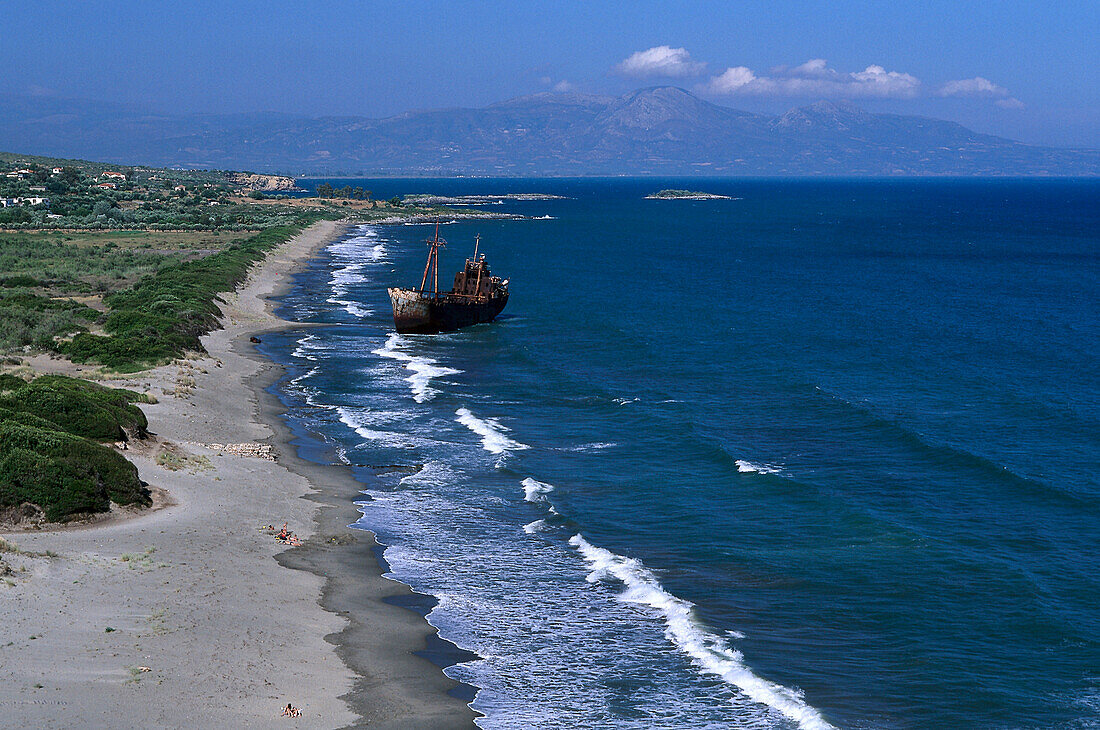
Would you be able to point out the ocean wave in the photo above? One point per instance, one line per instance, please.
(593, 446)
(534, 490)
(707, 650)
(431, 474)
(355, 309)
(423, 368)
(532, 527)
(356, 254)
(491, 432)
(306, 345)
(362, 427)
(305, 376)
(950, 457)
(747, 467)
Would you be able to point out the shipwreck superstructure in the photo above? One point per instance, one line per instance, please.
(477, 296)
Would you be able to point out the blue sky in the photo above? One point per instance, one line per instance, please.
(1026, 70)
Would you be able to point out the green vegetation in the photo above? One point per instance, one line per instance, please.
(325, 190)
(165, 313)
(75, 406)
(27, 319)
(695, 194)
(47, 453)
(90, 262)
(96, 196)
(121, 267)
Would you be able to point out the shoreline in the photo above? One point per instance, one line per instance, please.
(190, 614)
(345, 557)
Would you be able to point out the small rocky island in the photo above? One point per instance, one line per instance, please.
(685, 195)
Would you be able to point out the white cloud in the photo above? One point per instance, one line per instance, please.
(981, 87)
(730, 80)
(661, 61)
(1009, 103)
(815, 78)
(976, 86)
(813, 67)
(562, 86)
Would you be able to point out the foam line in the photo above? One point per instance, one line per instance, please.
(490, 431)
(747, 467)
(534, 491)
(423, 368)
(707, 650)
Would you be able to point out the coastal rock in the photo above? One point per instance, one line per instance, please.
(264, 183)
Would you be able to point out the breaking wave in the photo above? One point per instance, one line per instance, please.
(534, 490)
(708, 651)
(491, 432)
(748, 467)
(423, 368)
(355, 254)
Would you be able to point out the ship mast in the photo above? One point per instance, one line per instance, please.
(432, 263)
(477, 286)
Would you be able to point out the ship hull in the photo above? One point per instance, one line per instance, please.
(416, 314)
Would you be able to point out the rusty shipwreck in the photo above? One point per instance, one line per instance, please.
(477, 296)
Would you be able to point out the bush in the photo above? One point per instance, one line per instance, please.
(63, 474)
(21, 280)
(79, 407)
(165, 313)
(10, 382)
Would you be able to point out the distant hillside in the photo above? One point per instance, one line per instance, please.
(655, 131)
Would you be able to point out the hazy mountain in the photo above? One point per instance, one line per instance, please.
(663, 130)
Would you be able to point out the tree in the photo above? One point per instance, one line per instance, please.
(324, 190)
(395, 202)
(70, 175)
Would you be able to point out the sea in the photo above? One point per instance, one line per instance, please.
(824, 454)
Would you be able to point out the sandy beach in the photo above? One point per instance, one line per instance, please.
(190, 614)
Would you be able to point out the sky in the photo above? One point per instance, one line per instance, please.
(1024, 70)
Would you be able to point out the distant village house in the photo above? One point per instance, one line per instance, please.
(12, 202)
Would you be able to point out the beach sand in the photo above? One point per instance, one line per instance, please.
(189, 615)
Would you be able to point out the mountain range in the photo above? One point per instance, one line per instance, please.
(654, 131)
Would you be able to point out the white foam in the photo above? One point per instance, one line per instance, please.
(624, 401)
(594, 446)
(305, 376)
(535, 491)
(747, 467)
(532, 527)
(356, 254)
(363, 427)
(423, 368)
(305, 346)
(708, 651)
(431, 474)
(490, 431)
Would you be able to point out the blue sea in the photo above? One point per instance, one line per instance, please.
(826, 454)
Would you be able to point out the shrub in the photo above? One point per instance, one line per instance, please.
(79, 407)
(63, 474)
(165, 313)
